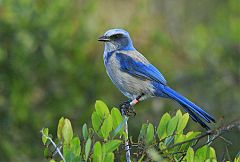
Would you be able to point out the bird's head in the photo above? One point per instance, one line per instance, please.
(116, 39)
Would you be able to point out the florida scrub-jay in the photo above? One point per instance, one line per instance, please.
(137, 78)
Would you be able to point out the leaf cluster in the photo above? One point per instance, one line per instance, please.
(104, 141)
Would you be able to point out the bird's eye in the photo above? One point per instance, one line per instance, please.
(116, 36)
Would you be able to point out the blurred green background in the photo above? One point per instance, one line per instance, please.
(51, 63)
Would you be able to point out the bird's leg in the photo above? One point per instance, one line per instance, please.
(126, 107)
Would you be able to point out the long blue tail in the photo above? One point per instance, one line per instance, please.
(195, 112)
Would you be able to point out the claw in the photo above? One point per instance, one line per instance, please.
(127, 109)
(131, 112)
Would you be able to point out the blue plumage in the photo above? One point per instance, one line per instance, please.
(188, 106)
(138, 79)
(139, 69)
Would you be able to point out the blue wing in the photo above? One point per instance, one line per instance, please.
(139, 69)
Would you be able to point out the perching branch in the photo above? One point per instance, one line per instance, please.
(127, 148)
(54, 145)
(221, 130)
(216, 134)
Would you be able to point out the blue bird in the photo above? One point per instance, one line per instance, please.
(137, 78)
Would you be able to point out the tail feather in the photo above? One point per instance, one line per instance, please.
(194, 111)
(195, 117)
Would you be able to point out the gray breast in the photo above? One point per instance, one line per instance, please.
(129, 85)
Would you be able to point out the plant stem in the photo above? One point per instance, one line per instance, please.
(127, 148)
(54, 145)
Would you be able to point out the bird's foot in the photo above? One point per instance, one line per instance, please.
(127, 109)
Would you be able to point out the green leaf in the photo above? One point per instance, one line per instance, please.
(201, 153)
(210, 160)
(75, 146)
(101, 109)
(45, 153)
(117, 117)
(172, 125)
(182, 123)
(192, 134)
(109, 157)
(179, 138)
(60, 127)
(179, 114)
(190, 155)
(96, 123)
(111, 145)
(188, 136)
(67, 153)
(72, 151)
(149, 134)
(106, 127)
(154, 155)
(236, 159)
(87, 148)
(67, 131)
(161, 130)
(162, 146)
(44, 135)
(143, 132)
(85, 131)
(97, 152)
(120, 127)
(212, 153)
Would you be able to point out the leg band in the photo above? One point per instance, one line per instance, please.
(134, 102)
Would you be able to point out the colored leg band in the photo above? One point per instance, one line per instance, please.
(134, 102)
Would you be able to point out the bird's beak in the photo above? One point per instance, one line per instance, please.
(104, 39)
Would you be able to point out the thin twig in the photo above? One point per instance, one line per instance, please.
(228, 155)
(226, 140)
(54, 145)
(127, 148)
(187, 141)
(217, 133)
(223, 155)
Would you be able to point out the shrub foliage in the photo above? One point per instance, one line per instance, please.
(104, 140)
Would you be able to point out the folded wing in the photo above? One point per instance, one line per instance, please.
(139, 69)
